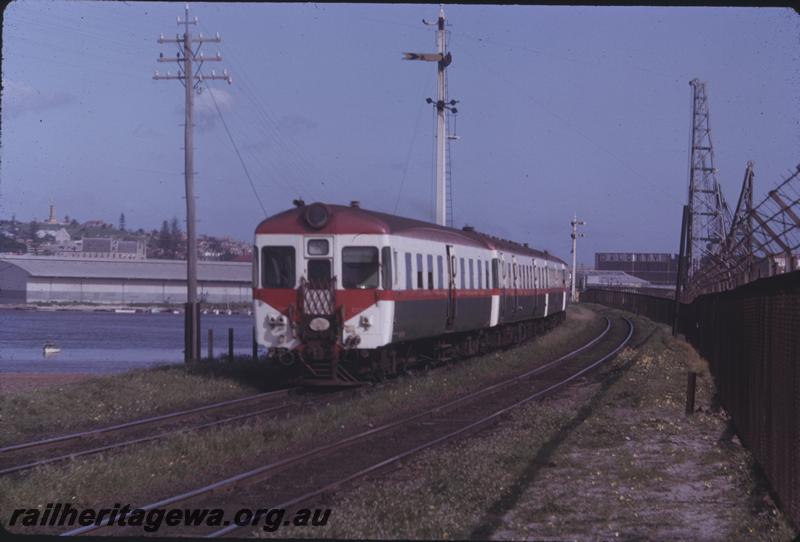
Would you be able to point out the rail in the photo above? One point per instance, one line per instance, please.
(254, 475)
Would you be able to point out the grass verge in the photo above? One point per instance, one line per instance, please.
(184, 461)
(103, 400)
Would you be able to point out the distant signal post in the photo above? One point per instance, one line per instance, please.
(575, 223)
(191, 79)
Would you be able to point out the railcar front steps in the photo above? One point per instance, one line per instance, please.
(324, 375)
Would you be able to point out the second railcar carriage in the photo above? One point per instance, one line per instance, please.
(345, 291)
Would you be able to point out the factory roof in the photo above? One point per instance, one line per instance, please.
(106, 268)
(600, 276)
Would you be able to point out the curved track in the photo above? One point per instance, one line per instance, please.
(358, 455)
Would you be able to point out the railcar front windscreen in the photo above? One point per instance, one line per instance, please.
(278, 265)
(360, 267)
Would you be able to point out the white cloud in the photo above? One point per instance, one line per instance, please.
(19, 98)
(205, 112)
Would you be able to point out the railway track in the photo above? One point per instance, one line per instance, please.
(378, 448)
(28, 455)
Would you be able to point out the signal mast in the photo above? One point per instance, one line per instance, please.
(443, 58)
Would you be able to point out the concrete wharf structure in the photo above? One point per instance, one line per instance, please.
(48, 279)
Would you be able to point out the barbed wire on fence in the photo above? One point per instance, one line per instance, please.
(764, 240)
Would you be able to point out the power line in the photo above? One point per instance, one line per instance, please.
(411, 146)
(236, 148)
(569, 125)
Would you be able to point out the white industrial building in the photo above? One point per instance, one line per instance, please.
(48, 279)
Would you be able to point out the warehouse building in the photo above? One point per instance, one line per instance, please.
(47, 279)
(656, 268)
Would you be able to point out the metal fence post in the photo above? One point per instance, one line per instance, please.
(210, 343)
(255, 345)
(230, 343)
(679, 283)
(691, 383)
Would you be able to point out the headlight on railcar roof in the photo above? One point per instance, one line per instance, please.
(316, 215)
(318, 247)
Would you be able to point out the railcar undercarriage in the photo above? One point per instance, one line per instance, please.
(324, 363)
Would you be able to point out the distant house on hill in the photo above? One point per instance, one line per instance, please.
(96, 224)
(109, 247)
(59, 235)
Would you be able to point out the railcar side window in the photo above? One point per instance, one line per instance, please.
(430, 272)
(471, 275)
(480, 276)
(463, 276)
(386, 269)
(360, 267)
(439, 273)
(420, 285)
(409, 274)
(487, 274)
(278, 267)
(495, 279)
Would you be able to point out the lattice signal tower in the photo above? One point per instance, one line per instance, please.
(709, 217)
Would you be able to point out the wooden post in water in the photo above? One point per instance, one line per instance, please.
(210, 344)
(230, 344)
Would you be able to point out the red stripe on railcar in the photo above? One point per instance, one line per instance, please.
(356, 301)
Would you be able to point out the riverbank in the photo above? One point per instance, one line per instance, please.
(32, 381)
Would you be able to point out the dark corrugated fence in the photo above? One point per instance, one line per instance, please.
(751, 339)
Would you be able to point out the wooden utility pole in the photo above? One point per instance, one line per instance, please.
(192, 80)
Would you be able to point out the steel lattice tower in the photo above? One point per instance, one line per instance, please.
(709, 217)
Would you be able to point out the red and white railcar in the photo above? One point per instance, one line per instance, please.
(343, 290)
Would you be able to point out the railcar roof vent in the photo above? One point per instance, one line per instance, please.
(525, 245)
(468, 228)
(299, 202)
(355, 204)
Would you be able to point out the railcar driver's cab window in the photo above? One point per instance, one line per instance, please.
(278, 267)
(360, 267)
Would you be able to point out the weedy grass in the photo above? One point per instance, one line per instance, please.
(445, 493)
(639, 468)
(608, 460)
(103, 400)
(188, 460)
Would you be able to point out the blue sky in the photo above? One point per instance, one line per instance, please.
(563, 109)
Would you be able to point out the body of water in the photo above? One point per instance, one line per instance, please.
(105, 342)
